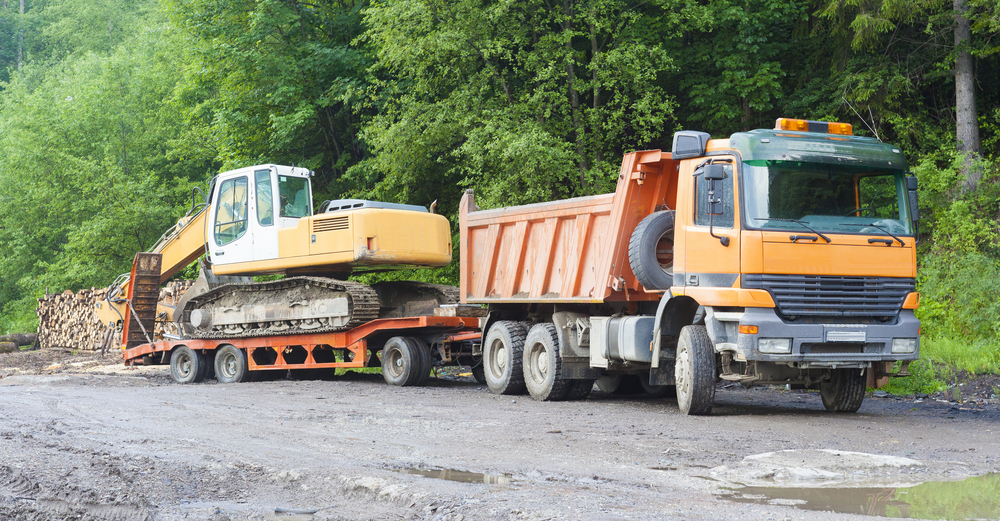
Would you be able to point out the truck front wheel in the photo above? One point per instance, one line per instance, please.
(543, 366)
(502, 353)
(845, 391)
(694, 372)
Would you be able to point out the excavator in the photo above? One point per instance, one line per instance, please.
(259, 220)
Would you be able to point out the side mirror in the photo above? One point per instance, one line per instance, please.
(689, 143)
(911, 192)
(714, 174)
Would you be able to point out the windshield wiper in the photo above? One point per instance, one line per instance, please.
(873, 225)
(798, 222)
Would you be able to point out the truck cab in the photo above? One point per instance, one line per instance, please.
(774, 256)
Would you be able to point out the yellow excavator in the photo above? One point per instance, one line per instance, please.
(259, 220)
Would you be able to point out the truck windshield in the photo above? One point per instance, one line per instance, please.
(827, 198)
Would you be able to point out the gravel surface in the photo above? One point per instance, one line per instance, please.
(98, 441)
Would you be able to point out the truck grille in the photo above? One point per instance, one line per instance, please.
(833, 296)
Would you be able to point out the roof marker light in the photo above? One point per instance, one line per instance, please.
(803, 125)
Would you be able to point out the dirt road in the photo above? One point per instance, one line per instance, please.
(104, 443)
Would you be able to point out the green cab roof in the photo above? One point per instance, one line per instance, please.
(814, 147)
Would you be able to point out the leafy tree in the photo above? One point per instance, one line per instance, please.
(524, 101)
(274, 81)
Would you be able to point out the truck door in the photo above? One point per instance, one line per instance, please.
(264, 208)
(229, 239)
(708, 261)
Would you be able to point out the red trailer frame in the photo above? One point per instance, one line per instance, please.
(318, 350)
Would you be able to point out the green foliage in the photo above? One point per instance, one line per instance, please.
(122, 106)
(273, 81)
(84, 177)
(924, 378)
(524, 101)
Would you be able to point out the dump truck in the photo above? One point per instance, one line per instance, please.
(776, 256)
(259, 220)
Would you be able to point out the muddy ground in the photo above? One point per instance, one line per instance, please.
(85, 438)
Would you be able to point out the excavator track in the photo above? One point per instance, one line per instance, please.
(363, 306)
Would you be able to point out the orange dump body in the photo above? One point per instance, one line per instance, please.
(569, 251)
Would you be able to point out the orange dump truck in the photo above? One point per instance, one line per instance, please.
(782, 256)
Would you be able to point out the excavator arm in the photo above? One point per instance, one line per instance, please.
(181, 245)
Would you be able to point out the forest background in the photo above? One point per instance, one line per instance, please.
(111, 111)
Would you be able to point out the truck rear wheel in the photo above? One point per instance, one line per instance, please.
(402, 362)
(695, 371)
(479, 373)
(187, 366)
(543, 366)
(845, 392)
(502, 356)
(231, 365)
(651, 250)
(655, 391)
(580, 389)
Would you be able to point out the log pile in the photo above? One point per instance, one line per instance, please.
(14, 342)
(67, 319)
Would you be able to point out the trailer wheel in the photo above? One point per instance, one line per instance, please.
(187, 366)
(543, 365)
(651, 250)
(845, 392)
(580, 389)
(695, 371)
(502, 357)
(426, 360)
(401, 362)
(231, 365)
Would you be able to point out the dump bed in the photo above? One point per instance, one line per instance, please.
(574, 250)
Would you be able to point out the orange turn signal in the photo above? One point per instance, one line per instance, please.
(748, 330)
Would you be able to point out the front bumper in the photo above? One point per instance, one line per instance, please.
(815, 344)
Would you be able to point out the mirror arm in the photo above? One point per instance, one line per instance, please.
(711, 217)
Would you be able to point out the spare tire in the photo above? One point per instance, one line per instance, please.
(651, 250)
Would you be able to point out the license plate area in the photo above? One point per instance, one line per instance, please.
(846, 336)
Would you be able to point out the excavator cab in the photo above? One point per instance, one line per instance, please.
(243, 209)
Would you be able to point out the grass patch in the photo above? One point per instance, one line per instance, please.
(940, 361)
(975, 357)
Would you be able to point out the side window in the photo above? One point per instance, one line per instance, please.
(265, 202)
(294, 194)
(231, 211)
(701, 216)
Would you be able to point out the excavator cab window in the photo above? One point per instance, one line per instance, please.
(265, 201)
(231, 211)
(294, 194)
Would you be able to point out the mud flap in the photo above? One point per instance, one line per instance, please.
(663, 375)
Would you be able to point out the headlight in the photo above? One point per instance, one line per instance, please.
(774, 345)
(904, 345)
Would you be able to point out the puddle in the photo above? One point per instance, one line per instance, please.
(460, 475)
(972, 498)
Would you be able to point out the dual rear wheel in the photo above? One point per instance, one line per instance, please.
(406, 361)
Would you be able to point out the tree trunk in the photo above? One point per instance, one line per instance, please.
(20, 40)
(967, 128)
(574, 97)
(595, 50)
